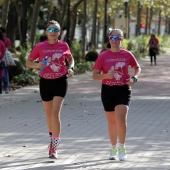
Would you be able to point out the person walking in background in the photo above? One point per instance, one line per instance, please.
(2, 54)
(153, 45)
(52, 55)
(5, 79)
(112, 68)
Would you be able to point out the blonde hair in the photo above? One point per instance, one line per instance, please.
(117, 30)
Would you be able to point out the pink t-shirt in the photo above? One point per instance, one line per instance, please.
(115, 61)
(56, 58)
(2, 50)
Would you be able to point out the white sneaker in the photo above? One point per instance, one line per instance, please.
(113, 154)
(122, 153)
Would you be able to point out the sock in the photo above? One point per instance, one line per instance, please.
(113, 146)
(50, 133)
(55, 141)
(121, 145)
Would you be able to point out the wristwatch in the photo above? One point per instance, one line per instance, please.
(134, 79)
(72, 68)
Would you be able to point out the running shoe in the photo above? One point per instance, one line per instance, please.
(122, 153)
(113, 154)
(53, 153)
(50, 148)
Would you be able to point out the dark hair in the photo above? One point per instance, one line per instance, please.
(108, 45)
(3, 30)
(1, 36)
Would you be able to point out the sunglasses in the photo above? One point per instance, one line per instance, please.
(117, 38)
(52, 29)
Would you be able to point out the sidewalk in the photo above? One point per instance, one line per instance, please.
(85, 143)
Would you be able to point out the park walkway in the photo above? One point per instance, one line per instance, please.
(84, 139)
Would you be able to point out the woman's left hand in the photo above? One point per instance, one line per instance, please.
(70, 73)
(130, 82)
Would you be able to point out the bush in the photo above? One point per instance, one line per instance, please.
(15, 70)
(83, 67)
(76, 50)
(27, 78)
(91, 56)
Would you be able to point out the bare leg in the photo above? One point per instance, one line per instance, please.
(53, 109)
(121, 112)
(48, 109)
(112, 127)
(56, 124)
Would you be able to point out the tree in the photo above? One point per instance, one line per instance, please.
(5, 9)
(35, 14)
(93, 37)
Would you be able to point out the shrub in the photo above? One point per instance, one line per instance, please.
(76, 50)
(15, 70)
(26, 78)
(83, 67)
(91, 56)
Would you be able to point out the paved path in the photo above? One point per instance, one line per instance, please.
(85, 144)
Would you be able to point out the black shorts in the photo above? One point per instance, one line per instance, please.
(53, 87)
(115, 95)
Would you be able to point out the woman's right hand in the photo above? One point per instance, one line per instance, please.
(110, 75)
(40, 65)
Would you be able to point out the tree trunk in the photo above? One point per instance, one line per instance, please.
(159, 22)
(84, 30)
(146, 21)
(138, 19)
(74, 19)
(24, 23)
(150, 19)
(105, 23)
(169, 26)
(12, 22)
(5, 9)
(36, 9)
(93, 35)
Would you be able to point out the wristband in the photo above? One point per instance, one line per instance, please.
(72, 68)
(134, 79)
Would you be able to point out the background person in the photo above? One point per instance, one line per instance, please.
(53, 81)
(153, 48)
(5, 79)
(112, 68)
(2, 54)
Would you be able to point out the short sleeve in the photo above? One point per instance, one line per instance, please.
(98, 64)
(133, 61)
(34, 54)
(67, 52)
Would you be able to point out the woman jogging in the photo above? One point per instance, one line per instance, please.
(52, 55)
(112, 68)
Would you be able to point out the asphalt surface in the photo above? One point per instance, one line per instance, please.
(85, 143)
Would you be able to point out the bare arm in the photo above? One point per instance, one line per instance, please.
(98, 76)
(137, 71)
(71, 65)
(31, 64)
(71, 62)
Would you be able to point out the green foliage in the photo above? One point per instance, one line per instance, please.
(27, 78)
(23, 53)
(83, 67)
(16, 70)
(20, 74)
(138, 45)
(76, 50)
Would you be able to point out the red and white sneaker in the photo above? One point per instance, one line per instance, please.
(53, 152)
(50, 148)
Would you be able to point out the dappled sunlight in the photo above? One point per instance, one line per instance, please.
(151, 97)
